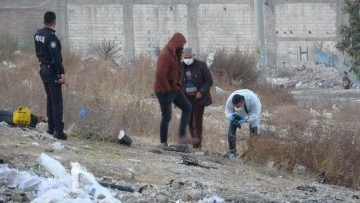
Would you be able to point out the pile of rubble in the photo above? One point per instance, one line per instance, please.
(50, 182)
(306, 76)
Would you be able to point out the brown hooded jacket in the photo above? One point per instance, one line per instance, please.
(167, 76)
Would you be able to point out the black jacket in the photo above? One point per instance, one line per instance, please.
(202, 79)
(48, 49)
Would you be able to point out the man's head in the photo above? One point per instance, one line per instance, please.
(177, 42)
(188, 55)
(49, 19)
(238, 101)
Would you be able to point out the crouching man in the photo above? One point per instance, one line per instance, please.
(242, 106)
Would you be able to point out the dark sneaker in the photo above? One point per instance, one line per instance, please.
(60, 136)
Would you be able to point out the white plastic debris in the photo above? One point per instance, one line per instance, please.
(79, 187)
(84, 181)
(35, 144)
(22, 180)
(60, 196)
(219, 90)
(57, 146)
(53, 166)
(212, 199)
(210, 59)
(314, 113)
(121, 134)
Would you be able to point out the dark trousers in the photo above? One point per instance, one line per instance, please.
(54, 100)
(166, 100)
(196, 120)
(232, 136)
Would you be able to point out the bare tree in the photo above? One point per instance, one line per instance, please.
(108, 49)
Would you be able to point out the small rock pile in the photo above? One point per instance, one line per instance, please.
(306, 76)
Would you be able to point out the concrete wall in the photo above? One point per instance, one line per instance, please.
(304, 31)
(296, 31)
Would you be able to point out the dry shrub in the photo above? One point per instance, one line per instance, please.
(115, 98)
(19, 86)
(236, 67)
(8, 44)
(272, 96)
(327, 147)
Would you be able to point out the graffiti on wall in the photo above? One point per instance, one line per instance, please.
(325, 55)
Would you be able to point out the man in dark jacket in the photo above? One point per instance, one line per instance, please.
(196, 83)
(168, 89)
(48, 51)
(346, 81)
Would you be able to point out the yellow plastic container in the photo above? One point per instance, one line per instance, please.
(22, 116)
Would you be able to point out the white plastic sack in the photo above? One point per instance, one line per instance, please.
(23, 180)
(85, 182)
(52, 166)
(60, 196)
(50, 183)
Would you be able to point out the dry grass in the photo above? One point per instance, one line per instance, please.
(120, 97)
(322, 145)
(236, 68)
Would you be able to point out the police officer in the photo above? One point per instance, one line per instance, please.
(48, 51)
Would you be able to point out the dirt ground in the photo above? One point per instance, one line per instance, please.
(139, 166)
(144, 164)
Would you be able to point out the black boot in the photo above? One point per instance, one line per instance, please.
(60, 135)
(50, 131)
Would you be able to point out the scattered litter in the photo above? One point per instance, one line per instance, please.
(35, 144)
(53, 166)
(156, 151)
(193, 161)
(124, 139)
(314, 113)
(116, 186)
(177, 148)
(213, 199)
(83, 113)
(79, 187)
(9, 64)
(219, 90)
(307, 188)
(210, 59)
(57, 146)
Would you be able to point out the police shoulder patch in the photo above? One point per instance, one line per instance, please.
(53, 44)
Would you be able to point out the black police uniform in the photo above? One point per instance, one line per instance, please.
(48, 51)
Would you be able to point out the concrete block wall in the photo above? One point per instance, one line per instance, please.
(300, 27)
(22, 18)
(144, 26)
(226, 25)
(155, 24)
(90, 24)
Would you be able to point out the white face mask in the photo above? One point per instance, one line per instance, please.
(188, 61)
(238, 109)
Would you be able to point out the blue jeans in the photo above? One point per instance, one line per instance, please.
(166, 100)
(232, 136)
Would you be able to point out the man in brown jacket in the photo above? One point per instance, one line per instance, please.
(167, 88)
(196, 83)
